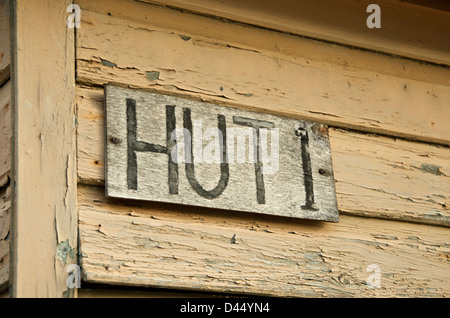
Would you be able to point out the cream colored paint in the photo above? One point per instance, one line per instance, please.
(44, 175)
(132, 243)
(375, 176)
(261, 70)
(303, 258)
(391, 178)
(406, 29)
(141, 244)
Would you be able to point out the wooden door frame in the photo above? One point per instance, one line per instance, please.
(44, 211)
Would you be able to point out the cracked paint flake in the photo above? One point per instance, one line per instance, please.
(152, 75)
(63, 250)
(433, 169)
(108, 63)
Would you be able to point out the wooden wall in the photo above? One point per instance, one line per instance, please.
(409, 28)
(5, 143)
(43, 231)
(389, 137)
(384, 93)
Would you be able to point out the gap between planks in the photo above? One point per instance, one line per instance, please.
(375, 176)
(343, 26)
(150, 244)
(257, 69)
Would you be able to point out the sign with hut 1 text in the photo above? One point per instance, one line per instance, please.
(176, 150)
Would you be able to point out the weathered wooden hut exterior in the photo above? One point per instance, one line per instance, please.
(384, 94)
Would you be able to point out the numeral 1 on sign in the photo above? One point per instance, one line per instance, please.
(307, 171)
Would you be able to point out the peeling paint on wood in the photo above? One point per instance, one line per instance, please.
(108, 63)
(433, 169)
(385, 177)
(5, 40)
(64, 251)
(189, 248)
(5, 237)
(262, 70)
(5, 145)
(185, 37)
(375, 176)
(409, 29)
(155, 150)
(5, 133)
(44, 166)
(162, 245)
(152, 75)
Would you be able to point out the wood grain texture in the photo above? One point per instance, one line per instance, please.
(44, 164)
(5, 133)
(5, 230)
(252, 68)
(145, 244)
(375, 176)
(224, 158)
(406, 28)
(5, 146)
(134, 243)
(391, 178)
(5, 41)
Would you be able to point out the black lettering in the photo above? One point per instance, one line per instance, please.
(190, 169)
(136, 145)
(256, 125)
(307, 171)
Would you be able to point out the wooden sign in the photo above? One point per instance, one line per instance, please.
(170, 149)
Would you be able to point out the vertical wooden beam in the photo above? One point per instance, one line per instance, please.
(5, 50)
(44, 177)
(5, 145)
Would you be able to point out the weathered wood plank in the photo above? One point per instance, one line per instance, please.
(90, 135)
(146, 46)
(406, 29)
(44, 239)
(143, 244)
(5, 40)
(391, 178)
(5, 237)
(169, 149)
(5, 133)
(375, 176)
(5, 145)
